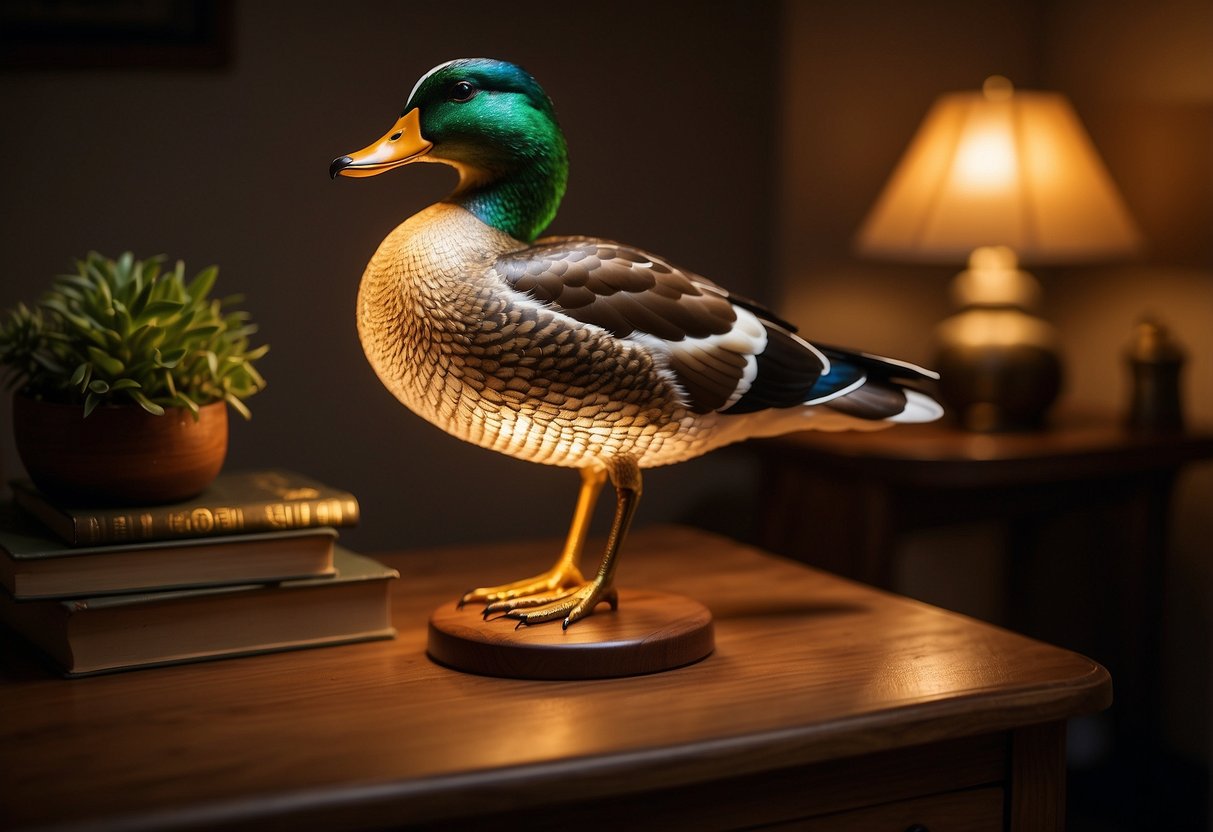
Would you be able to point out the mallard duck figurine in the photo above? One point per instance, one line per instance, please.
(575, 351)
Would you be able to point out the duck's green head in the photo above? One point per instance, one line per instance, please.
(493, 123)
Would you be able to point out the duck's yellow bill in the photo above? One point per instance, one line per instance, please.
(399, 146)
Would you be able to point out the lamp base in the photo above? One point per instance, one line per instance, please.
(998, 387)
(998, 363)
(649, 633)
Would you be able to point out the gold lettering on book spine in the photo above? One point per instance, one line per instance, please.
(306, 515)
(177, 522)
(201, 520)
(229, 519)
(278, 515)
(120, 528)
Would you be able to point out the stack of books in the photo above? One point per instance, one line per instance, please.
(249, 566)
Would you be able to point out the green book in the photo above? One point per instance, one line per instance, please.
(118, 632)
(35, 564)
(240, 502)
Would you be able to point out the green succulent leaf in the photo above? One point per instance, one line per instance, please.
(106, 363)
(47, 362)
(123, 318)
(106, 295)
(204, 332)
(126, 329)
(181, 323)
(183, 400)
(170, 358)
(151, 269)
(200, 287)
(145, 339)
(238, 405)
(78, 377)
(159, 309)
(91, 271)
(146, 403)
(139, 303)
(122, 272)
(57, 306)
(139, 369)
(254, 376)
(83, 284)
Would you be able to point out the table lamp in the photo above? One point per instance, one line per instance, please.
(999, 176)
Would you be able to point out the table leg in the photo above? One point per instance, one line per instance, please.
(1036, 799)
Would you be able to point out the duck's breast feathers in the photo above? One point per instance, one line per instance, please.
(715, 344)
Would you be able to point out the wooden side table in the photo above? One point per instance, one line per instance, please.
(827, 705)
(843, 501)
(845, 498)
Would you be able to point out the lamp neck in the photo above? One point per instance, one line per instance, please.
(994, 279)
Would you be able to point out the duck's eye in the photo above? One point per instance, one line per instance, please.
(461, 91)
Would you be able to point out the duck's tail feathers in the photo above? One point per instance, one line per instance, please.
(842, 389)
(874, 388)
(886, 402)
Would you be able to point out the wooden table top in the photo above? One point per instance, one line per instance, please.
(807, 667)
(1073, 447)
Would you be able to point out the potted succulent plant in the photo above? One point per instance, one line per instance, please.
(122, 374)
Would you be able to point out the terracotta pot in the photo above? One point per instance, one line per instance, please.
(120, 454)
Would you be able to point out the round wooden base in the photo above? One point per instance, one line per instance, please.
(649, 633)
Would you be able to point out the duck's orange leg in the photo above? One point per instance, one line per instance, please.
(565, 575)
(577, 603)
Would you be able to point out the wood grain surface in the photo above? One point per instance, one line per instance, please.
(650, 632)
(808, 668)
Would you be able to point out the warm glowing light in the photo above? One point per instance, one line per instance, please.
(985, 161)
(1000, 167)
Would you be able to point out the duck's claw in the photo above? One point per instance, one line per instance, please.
(527, 601)
(549, 583)
(571, 606)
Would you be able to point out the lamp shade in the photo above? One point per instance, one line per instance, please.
(1000, 167)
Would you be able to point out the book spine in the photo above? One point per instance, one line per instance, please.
(119, 526)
